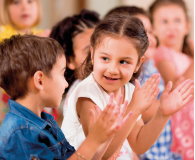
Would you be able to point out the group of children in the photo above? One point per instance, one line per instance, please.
(108, 114)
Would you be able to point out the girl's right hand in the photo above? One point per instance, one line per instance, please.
(144, 97)
(109, 121)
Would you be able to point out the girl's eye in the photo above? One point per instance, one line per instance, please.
(16, 2)
(105, 59)
(30, 1)
(163, 21)
(124, 62)
(177, 20)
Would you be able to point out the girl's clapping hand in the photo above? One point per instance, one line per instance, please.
(144, 97)
(173, 101)
(109, 121)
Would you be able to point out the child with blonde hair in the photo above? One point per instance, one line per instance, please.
(19, 17)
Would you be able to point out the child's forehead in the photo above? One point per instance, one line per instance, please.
(111, 41)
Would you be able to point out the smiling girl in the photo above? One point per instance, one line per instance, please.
(117, 52)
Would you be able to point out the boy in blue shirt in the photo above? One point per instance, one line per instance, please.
(32, 73)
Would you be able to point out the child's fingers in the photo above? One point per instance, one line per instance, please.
(123, 108)
(108, 115)
(187, 92)
(137, 85)
(119, 102)
(153, 87)
(186, 86)
(187, 100)
(154, 96)
(152, 83)
(126, 118)
(105, 112)
(113, 120)
(111, 98)
(149, 81)
(98, 110)
(168, 87)
(179, 87)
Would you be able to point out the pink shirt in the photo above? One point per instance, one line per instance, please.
(182, 122)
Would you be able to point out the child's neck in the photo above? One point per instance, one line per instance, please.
(32, 103)
(23, 30)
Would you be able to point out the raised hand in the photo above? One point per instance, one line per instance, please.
(109, 121)
(144, 97)
(173, 101)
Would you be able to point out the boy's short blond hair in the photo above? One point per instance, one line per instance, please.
(4, 14)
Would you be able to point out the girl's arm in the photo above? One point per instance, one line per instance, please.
(149, 114)
(148, 92)
(143, 136)
(107, 124)
(168, 72)
(83, 107)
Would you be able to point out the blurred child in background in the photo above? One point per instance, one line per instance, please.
(19, 16)
(73, 33)
(174, 60)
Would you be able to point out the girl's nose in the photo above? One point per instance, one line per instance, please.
(113, 69)
(24, 5)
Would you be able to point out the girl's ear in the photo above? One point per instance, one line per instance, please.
(139, 64)
(71, 65)
(91, 50)
(38, 80)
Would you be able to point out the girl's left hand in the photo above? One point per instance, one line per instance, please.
(173, 101)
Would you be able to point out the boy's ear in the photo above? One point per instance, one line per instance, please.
(139, 64)
(71, 65)
(39, 80)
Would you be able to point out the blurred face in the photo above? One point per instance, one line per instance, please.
(170, 26)
(55, 85)
(81, 44)
(149, 54)
(23, 13)
(115, 61)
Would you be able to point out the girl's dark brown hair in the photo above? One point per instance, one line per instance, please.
(116, 25)
(128, 10)
(158, 3)
(67, 29)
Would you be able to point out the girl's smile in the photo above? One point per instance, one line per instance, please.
(111, 79)
(115, 61)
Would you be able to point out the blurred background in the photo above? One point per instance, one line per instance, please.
(56, 10)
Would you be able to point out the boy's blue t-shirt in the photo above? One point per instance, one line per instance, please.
(24, 135)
